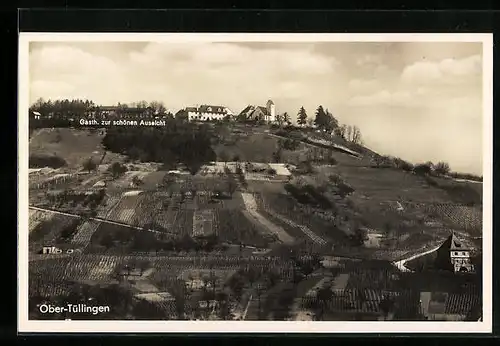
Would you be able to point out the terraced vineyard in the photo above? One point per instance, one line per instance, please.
(125, 211)
(111, 202)
(464, 217)
(183, 223)
(458, 216)
(310, 234)
(84, 233)
(36, 217)
(54, 276)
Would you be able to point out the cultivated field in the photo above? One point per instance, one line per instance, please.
(72, 145)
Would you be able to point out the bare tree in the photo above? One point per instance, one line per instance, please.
(356, 135)
(442, 168)
(348, 133)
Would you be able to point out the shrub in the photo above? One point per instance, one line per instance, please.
(40, 161)
(442, 168)
(271, 171)
(422, 169)
(117, 169)
(332, 161)
(406, 166)
(335, 179)
(89, 164)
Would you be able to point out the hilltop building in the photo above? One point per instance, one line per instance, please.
(207, 113)
(454, 255)
(259, 113)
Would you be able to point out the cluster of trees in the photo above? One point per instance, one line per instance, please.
(57, 113)
(349, 133)
(117, 169)
(424, 169)
(283, 119)
(340, 186)
(309, 194)
(62, 108)
(156, 107)
(177, 142)
(78, 108)
(44, 160)
(148, 241)
(68, 196)
(325, 121)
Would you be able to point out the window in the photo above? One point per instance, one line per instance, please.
(456, 253)
(209, 109)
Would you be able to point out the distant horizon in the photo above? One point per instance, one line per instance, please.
(421, 101)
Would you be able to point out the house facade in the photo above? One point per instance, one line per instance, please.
(455, 255)
(208, 113)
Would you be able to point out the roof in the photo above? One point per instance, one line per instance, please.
(263, 110)
(462, 303)
(454, 244)
(247, 109)
(251, 111)
(453, 303)
(212, 109)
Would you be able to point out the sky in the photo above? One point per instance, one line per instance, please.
(419, 101)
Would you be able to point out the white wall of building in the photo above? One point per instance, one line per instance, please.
(207, 116)
(271, 109)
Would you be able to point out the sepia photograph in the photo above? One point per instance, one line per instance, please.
(255, 182)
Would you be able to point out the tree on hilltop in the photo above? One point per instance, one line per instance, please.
(321, 118)
(340, 131)
(356, 135)
(286, 118)
(302, 116)
(442, 168)
(330, 122)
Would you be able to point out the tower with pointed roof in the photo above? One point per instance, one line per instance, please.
(271, 111)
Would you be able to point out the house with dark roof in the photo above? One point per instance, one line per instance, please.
(259, 113)
(207, 113)
(454, 255)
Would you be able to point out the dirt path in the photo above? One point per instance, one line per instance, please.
(251, 207)
(401, 263)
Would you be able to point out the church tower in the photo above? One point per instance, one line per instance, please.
(271, 111)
